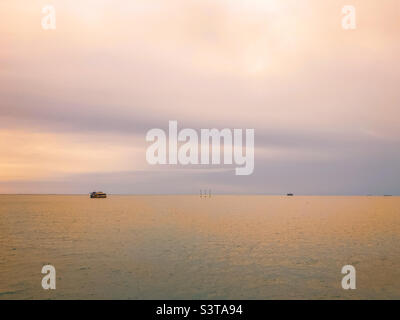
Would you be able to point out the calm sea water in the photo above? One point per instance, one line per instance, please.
(184, 247)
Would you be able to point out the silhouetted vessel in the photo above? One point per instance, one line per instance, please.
(290, 194)
(98, 194)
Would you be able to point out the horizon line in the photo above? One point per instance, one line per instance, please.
(215, 194)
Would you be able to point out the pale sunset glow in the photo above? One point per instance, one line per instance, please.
(76, 102)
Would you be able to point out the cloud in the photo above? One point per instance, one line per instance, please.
(322, 100)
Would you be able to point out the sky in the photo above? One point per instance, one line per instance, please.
(76, 102)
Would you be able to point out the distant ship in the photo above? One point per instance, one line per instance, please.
(290, 194)
(98, 194)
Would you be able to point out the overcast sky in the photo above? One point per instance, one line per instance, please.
(76, 102)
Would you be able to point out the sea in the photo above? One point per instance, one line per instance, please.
(192, 247)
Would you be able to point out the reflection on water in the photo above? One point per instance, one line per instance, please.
(177, 247)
